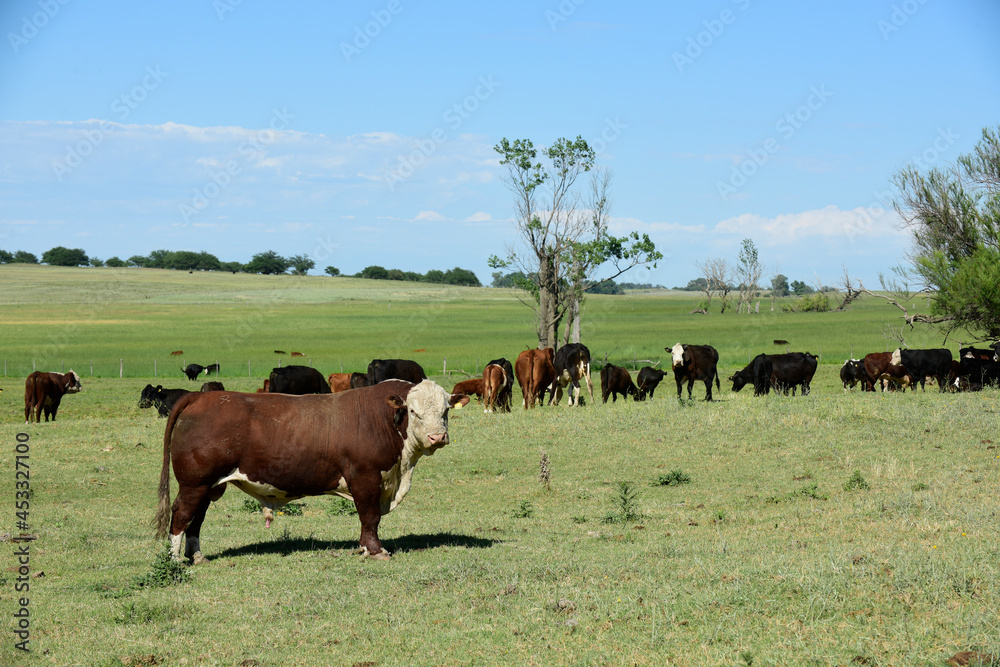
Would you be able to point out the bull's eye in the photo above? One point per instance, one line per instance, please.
(414, 413)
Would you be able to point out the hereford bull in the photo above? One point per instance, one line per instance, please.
(44, 391)
(875, 365)
(695, 362)
(361, 445)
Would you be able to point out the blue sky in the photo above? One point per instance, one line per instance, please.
(362, 133)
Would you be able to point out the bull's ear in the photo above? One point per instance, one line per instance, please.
(458, 400)
(395, 402)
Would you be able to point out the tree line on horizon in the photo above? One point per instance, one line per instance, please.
(263, 263)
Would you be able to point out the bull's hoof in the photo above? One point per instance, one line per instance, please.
(198, 559)
(381, 555)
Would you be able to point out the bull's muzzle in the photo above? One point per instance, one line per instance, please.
(437, 439)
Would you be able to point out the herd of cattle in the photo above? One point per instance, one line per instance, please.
(359, 435)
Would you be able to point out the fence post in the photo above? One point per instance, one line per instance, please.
(121, 368)
(248, 368)
(154, 368)
(444, 367)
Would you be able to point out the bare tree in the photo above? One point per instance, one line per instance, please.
(748, 273)
(718, 278)
(850, 292)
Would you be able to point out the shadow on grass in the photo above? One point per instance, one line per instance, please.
(285, 544)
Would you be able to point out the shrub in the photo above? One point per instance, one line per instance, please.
(673, 478)
(856, 481)
(626, 505)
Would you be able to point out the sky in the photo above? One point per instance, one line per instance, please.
(362, 133)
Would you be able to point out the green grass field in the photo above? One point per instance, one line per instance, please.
(833, 529)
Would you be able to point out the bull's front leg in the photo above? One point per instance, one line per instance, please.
(366, 493)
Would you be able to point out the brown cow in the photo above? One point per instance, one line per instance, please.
(339, 382)
(176, 353)
(361, 445)
(495, 382)
(44, 391)
(896, 377)
(266, 388)
(535, 372)
(695, 362)
(469, 387)
(875, 365)
(297, 354)
(617, 380)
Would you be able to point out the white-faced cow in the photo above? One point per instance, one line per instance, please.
(853, 372)
(361, 445)
(572, 364)
(695, 362)
(44, 391)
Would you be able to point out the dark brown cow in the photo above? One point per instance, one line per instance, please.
(648, 379)
(339, 382)
(266, 388)
(695, 362)
(359, 380)
(495, 383)
(213, 386)
(44, 391)
(897, 377)
(469, 387)
(535, 372)
(875, 365)
(361, 445)
(297, 354)
(616, 380)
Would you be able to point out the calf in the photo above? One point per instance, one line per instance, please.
(44, 391)
(853, 372)
(505, 396)
(361, 445)
(617, 380)
(469, 387)
(212, 386)
(695, 362)
(163, 399)
(757, 372)
(359, 380)
(648, 380)
(896, 377)
(338, 382)
(212, 368)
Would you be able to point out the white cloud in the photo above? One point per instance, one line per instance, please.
(829, 222)
(430, 215)
(479, 216)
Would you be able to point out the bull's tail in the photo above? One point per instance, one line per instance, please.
(163, 514)
(717, 385)
(29, 397)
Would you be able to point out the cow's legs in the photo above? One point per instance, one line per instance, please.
(708, 389)
(188, 513)
(366, 500)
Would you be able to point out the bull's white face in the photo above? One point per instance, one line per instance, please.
(677, 351)
(74, 385)
(897, 358)
(427, 406)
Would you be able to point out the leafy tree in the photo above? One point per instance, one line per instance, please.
(373, 272)
(609, 287)
(23, 257)
(232, 267)
(267, 263)
(696, 285)
(96, 262)
(301, 264)
(779, 285)
(954, 215)
(332, 271)
(748, 272)
(434, 276)
(138, 260)
(801, 289)
(459, 276)
(115, 262)
(60, 256)
(6, 257)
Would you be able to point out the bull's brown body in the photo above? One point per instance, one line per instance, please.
(535, 372)
(44, 391)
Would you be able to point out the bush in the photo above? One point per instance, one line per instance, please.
(673, 478)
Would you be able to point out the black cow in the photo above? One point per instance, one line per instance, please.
(757, 373)
(212, 368)
(978, 372)
(853, 372)
(996, 351)
(695, 362)
(212, 386)
(791, 370)
(298, 380)
(504, 398)
(616, 380)
(359, 380)
(163, 399)
(572, 364)
(921, 363)
(193, 371)
(380, 370)
(649, 378)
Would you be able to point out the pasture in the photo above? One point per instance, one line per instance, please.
(833, 529)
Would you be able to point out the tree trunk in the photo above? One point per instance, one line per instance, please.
(548, 320)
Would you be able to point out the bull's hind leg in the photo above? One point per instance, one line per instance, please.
(188, 514)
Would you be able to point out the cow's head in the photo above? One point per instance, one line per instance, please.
(149, 396)
(72, 382)
(677, 352)
(897, 357)
(739, 380)
(427, 406)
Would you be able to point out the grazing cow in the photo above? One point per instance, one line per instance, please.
(338, 382)
(758, 373)
(469, 387)
(505, 397)
(648, 380)
(853, 372)
(212, 368)
(875, 365)
(266, 388)
(896, 377)
(996, 351)
(280, 352)
(44, 391)
(163, 399)
(192, 371)
(976, 353)
(297, 354)
(616, 380)
(395, 369)
(297, 380)
(921, 363)
(791, 370)
(212, 386)
(572, 364)
(495, 381)
(359, 380)
(176, 353)
(534, 372)
(695, 362)
(361, 445)
(978, 373)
